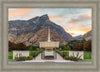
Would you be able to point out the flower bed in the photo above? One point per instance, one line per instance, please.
(49, 58)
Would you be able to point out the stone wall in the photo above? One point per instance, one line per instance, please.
(20, 53)
(77, 54)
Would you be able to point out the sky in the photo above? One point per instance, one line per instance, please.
(76, 21)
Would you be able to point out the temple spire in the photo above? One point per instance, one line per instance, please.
(48, 34)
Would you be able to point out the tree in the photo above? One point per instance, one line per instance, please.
(73, 43)
(62, 47)
(31, 47)
(79, 46)
(68, 48)
(19, 46)
(83, 41)
(12, 46)
(87, 46)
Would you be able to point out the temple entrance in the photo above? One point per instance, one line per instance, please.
(49, 54)
(48, 50)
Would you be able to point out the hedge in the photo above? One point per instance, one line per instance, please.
(49, 56)
(36, 53)
(62, 53)
(23, 58)
(72, 58)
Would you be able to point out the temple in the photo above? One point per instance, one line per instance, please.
(49, 44)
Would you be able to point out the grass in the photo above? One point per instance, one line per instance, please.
(10, 56)
(86, 60)
(66, 52)
(35, 53)
(87, 56)
(11, 60)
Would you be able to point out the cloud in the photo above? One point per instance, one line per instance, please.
(75, 30)
(22, 13)
(77, 24)
(58, 19)
(74, 20)
(18, 12)
(79, 18)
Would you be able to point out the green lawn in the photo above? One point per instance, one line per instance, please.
(65, 52)
(87, 56)
(10, 56)
(11, 60)
(86, 60)
(35, 53)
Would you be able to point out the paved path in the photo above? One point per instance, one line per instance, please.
(38, 59)
(49, 53)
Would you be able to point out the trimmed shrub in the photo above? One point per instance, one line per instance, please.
(72, 58)
(49, 57)
(62, 53)
(68, 48)
(36, 53)
(31, 47)
(32, 53)
(29, 58)
(22, 58)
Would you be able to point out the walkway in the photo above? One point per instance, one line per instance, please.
(38, 59)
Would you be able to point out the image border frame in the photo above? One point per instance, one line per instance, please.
(41, 4)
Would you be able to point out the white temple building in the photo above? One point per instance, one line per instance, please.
(49, 44)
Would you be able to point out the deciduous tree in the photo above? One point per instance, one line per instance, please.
(79, 46)
(87, 46)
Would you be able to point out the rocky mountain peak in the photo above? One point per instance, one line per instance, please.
(26, 30)
(44, 18)
(87, 36)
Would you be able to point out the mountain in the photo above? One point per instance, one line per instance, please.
(77, 37)
(87, 36)
(34, 30)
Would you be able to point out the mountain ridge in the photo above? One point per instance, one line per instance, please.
(24, 30)
(87, 36)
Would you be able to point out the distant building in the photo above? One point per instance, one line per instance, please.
(49, 44)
